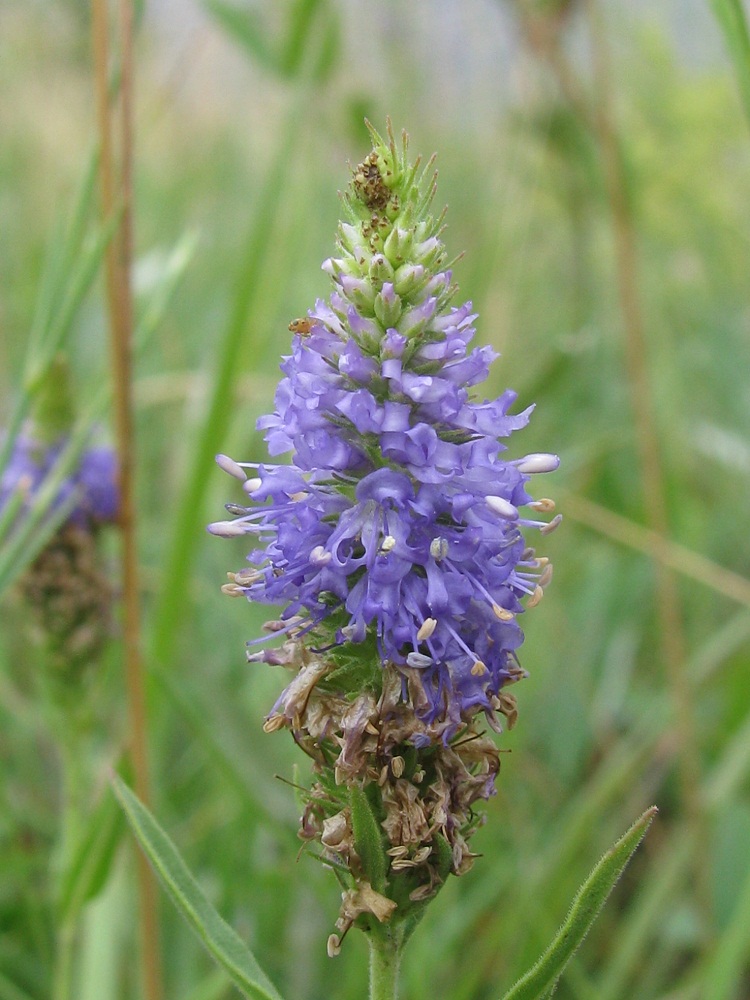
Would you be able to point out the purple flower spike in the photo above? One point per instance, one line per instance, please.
(398, 508)
(91, 487)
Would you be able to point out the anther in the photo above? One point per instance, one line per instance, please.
(503, 508)
(273, 723)
(546, 576)
(548, 528)
(251, 485)
(439, 548)
(227, 464)
(226, 529)
(502, 613)
(388, 543)
(538, 463)
(428, 627)
(319, 556)
(535, 597)
(397, 766)
(418, 660)
(479, 668)
(333, 946)
(544, 505)
(232, 590)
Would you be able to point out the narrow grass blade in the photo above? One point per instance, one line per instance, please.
(217, 936)
(542, 977)
(729, 962)
(9, 990)
(245, 27)
(731, 17)
(190, 517)
(92, 860)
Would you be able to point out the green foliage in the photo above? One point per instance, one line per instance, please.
(368, 839)
(541, 980)
(248, 161)
(216, 935)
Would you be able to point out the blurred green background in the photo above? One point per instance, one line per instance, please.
(590, 154)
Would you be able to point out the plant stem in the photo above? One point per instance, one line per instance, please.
(73, 758)
(62, 986)
(119, 296)
(385, 961)
(668, 604)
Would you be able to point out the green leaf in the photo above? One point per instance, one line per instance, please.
(92, 860)
(540, 981)
(245, 27)
(217, 936)
(367, 839)
(728, 963)
(731, 16)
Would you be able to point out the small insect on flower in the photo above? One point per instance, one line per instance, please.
(301, 326)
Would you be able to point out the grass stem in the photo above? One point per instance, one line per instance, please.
(668, 609)
(120, 308)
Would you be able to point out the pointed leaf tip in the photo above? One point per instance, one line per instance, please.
(540, 981)
(219, 939)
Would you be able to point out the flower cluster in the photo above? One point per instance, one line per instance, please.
(67, 596)
(400, 517)
(393, 543)
(90, 490)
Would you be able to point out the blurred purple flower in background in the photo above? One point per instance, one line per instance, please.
(90, 490)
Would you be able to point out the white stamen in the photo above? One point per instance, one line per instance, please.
(226, 529)
(503, 508)
(273, 723)
(543, 505)
(538, 463)
(428, 627)
(548, 528)
(333, 946)
(418, 660)
(298, 496)
(397, 766)
(319, 556)
(439, 548)
(389, 542)
(400, 851)
(502, 613)
(535, 597)
(546, 576)
(245, 577)
(232, 590)
(251, 485)
(229, 465)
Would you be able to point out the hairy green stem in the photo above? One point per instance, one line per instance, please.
(385, 962)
